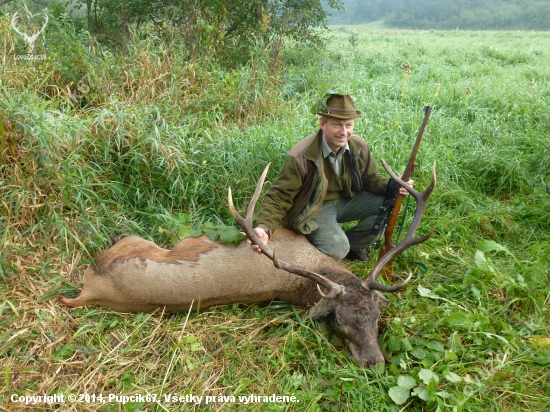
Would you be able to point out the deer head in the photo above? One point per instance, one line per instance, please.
(30, 40)
(353, 303)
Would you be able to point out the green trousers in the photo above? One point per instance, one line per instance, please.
(331, 239)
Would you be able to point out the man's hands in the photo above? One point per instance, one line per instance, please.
(262, 234)
(403, 191)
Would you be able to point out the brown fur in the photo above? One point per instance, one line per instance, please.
(135, 275)
(131, 247)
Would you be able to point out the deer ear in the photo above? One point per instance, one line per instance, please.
(322, 309)
(380, 300)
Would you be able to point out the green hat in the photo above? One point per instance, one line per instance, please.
(340, 106)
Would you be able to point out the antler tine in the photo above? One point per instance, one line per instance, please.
(246, 224)
(256, 196)
(409, 239)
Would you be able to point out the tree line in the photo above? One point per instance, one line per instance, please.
(448, 14)
(216, 27)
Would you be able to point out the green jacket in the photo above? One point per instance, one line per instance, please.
(300, 189)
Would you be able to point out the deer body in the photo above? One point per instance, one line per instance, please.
(135, 275)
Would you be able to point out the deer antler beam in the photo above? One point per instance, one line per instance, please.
(246, 224)
(409, 239)
(334, 288)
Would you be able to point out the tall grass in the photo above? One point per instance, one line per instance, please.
(97, 142)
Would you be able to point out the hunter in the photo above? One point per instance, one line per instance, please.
(327, 179)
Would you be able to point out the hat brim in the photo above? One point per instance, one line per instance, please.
(340, 114)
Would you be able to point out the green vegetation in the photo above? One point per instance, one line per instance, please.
(97, 142)
(448, 14)
(230, 30)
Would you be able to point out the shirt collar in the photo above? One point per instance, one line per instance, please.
(327, 150)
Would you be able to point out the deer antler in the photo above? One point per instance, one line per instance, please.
(409, 239)
(246, 224)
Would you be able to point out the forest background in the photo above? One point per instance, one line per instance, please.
(136, 116)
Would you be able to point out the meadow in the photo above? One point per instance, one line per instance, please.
(97, 143)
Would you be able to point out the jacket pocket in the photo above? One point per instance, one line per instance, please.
(303, 223)
(306, 227)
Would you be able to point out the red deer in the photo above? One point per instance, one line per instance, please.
(135, 275)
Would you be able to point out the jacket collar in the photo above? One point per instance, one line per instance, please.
(314, 152)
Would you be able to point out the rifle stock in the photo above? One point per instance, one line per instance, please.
(388, 244)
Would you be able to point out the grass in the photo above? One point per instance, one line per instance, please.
(151, 142)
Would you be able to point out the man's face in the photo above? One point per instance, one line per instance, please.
(337, 132)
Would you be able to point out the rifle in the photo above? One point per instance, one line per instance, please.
(389, 211)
